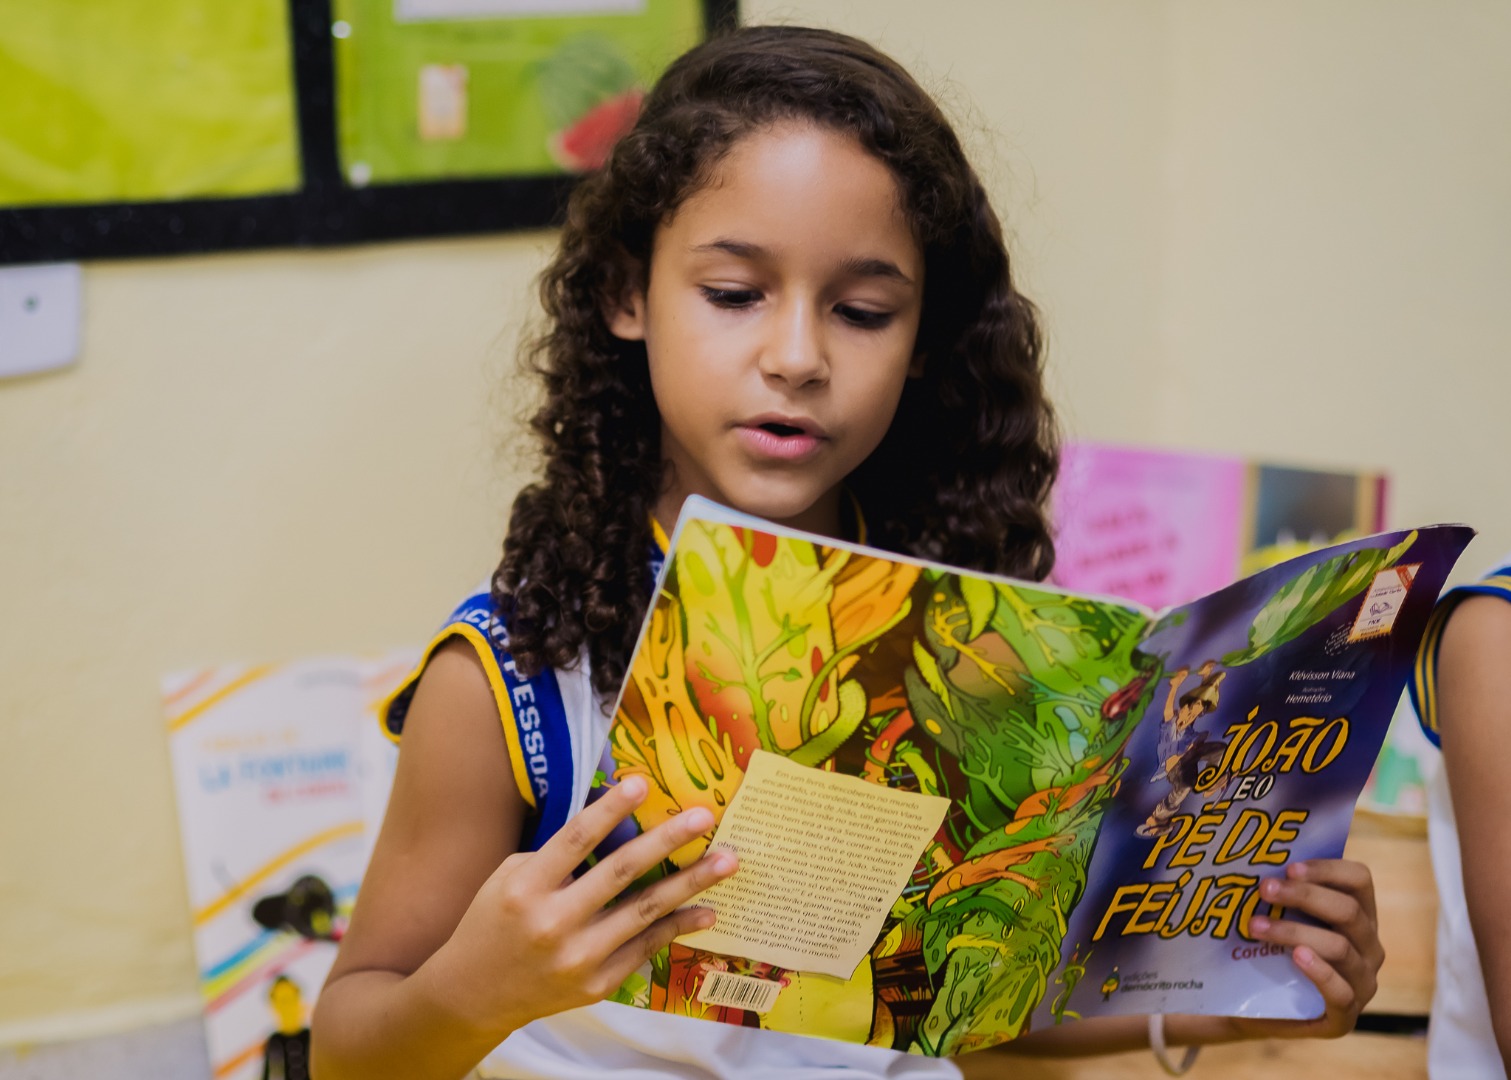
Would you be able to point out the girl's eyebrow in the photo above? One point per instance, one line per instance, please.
(855, 266)
(882, 268)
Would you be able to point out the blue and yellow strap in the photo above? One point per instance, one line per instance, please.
(529, 708)
(1423, 684)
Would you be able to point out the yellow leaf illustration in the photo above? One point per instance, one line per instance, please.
(661, 735)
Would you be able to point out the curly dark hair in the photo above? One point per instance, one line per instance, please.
(964, 471)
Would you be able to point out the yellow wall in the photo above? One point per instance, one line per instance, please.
(1339, 259)
(257, 457)
(1279, 230)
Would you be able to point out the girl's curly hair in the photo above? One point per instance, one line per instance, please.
(962, 474)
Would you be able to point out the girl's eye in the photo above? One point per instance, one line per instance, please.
(863, 318)
(729, 298)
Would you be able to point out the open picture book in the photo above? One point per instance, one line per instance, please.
(968, 807)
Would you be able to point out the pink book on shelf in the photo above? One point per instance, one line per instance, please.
(1147, 525)
(1162, 527)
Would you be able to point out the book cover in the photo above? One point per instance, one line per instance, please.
(968, 807)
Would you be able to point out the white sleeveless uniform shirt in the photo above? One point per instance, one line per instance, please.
(1460, 1040)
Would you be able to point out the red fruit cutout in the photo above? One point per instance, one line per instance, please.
(585, 145)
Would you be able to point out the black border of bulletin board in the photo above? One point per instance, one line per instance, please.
(325, 211)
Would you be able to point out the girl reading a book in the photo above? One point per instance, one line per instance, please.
(786, 290)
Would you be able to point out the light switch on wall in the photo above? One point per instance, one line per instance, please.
(40, 316)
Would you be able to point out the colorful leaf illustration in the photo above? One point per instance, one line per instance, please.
(1311, 596)
(662, 736)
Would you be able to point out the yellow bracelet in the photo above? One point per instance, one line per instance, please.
(1157, 1044)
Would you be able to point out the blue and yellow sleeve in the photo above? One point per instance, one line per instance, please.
(529, 708)
(1423, 683)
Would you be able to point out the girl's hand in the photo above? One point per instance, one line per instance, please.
(536, 941)
(1342, 958)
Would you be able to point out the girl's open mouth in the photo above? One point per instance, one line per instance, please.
(779, 441)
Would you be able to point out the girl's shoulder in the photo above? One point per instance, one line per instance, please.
(1423, 682)
(536, 711)
(477, 621)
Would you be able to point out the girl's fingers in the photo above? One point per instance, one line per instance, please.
(1337, 992)
(1340, 910)
(634, 914)
(603, 883)
(639, 949)
(1345, 875)
(584, 831)
(1333, 947)
(1342, 958)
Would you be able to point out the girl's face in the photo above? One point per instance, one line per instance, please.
(779, 320)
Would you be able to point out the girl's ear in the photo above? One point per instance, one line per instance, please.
(624, 314)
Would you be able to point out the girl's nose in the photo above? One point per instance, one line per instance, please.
(795, 352)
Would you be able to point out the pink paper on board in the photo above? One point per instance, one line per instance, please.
(1158, 528)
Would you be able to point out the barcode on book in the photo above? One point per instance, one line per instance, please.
(741, 991)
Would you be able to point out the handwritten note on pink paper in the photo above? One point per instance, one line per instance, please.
(1151, 526)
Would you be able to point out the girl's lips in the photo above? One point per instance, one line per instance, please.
(768, 444)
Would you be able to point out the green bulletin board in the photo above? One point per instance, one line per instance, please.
(152, 127)
(441, 94)
(134, 100)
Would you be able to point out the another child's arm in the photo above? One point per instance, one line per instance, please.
(1342, 958)
(1474, 719)
(457, 938)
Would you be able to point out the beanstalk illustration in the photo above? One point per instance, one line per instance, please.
(1012, 683)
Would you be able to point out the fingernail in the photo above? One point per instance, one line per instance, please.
(725, 863)
(1296, 870)
(705, 918)
(698, 819)
(1259, 924)
(1303, 955)
(1270, 888)
(633, 787)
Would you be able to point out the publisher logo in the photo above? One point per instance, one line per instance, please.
(1144, 981)
(1383, 602)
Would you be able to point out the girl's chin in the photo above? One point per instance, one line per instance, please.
(816, 514)
(796, 506)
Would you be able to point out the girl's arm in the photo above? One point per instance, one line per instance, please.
(1342, 958)
(1474, 717)
(457, 939)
